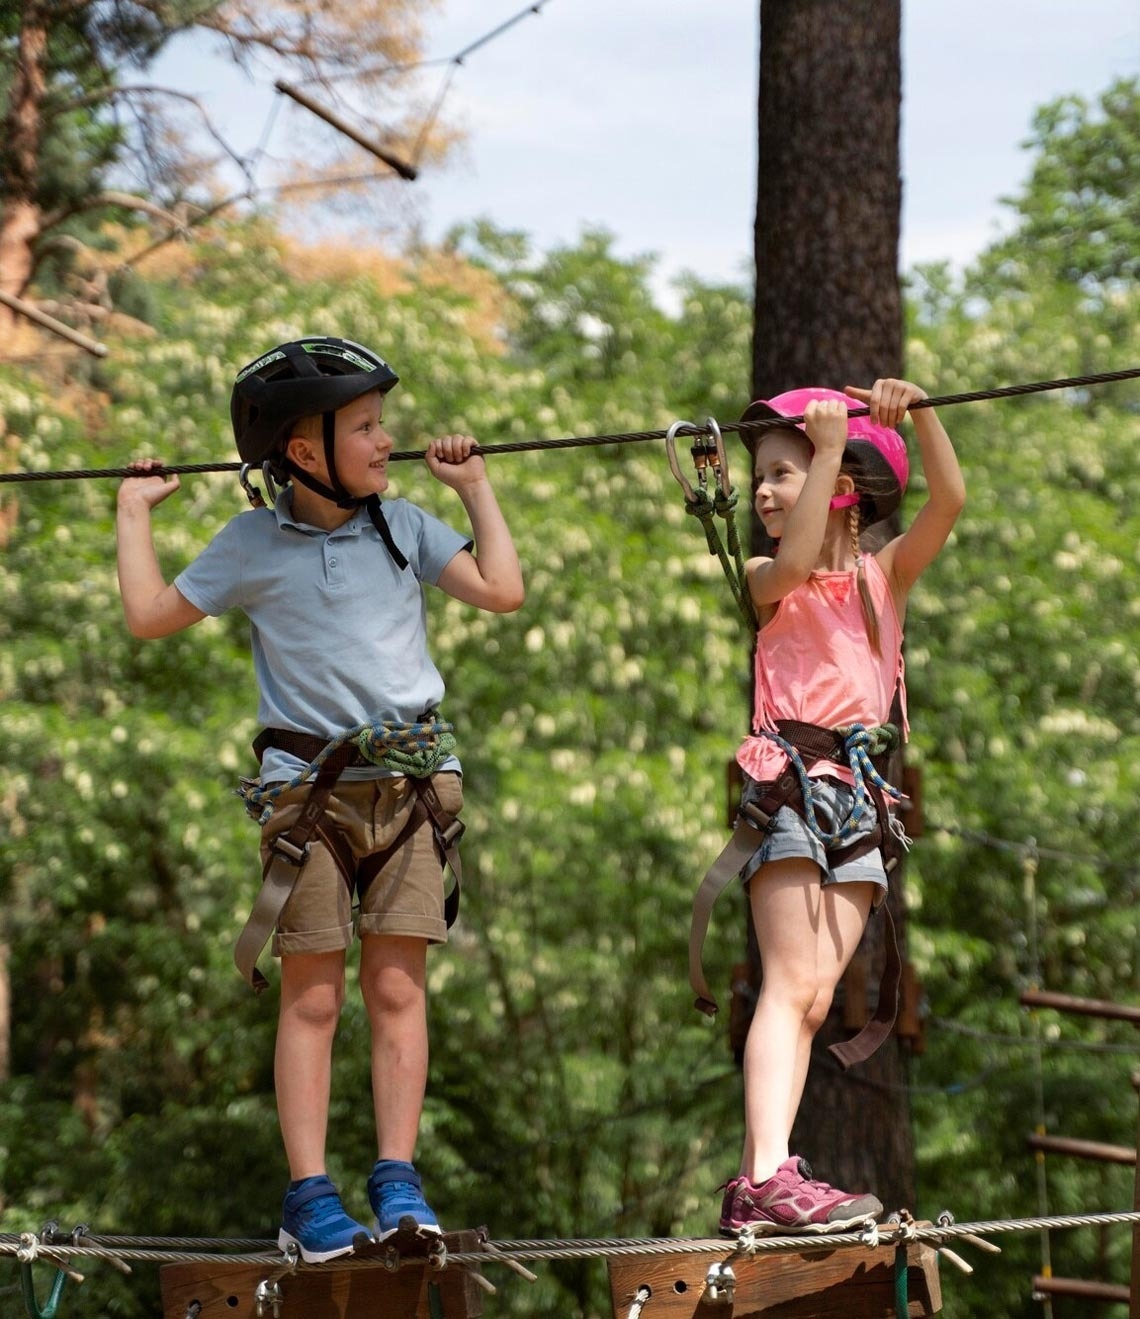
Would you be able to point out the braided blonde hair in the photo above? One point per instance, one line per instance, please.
(870, 616)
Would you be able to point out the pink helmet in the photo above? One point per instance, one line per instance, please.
(877, 451)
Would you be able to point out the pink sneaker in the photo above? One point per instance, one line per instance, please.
(789, 1201)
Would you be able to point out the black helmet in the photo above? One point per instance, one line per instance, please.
(313, 375)
(307, 377)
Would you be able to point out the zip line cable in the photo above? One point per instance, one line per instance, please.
(622, 437)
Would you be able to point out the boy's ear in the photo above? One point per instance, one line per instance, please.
(301, 451)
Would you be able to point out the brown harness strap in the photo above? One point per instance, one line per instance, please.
(814, 743)
(290, 849)
(288, 854)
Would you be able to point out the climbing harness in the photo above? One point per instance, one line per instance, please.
(860, 745)
(852, 746)
(708, 452)
(415, 750)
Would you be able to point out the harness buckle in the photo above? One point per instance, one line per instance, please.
(754, 815)
(453, 833)
(290, 852)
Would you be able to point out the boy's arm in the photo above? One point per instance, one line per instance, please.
(491, 578)
(152, 608)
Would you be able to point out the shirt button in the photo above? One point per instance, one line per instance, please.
(332, 563)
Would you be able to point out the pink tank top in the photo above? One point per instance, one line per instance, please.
(814, 663)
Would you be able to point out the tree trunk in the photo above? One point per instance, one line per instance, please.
(828, 312)
(22, 129)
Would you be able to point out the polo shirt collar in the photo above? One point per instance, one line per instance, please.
(283, 512)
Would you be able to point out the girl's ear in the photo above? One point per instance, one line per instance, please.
(844, 484)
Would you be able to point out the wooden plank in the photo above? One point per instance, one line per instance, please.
(852, 1283)
(1082, 1149)
(1088, 1007)
(333, 1291)
(1090, 1291)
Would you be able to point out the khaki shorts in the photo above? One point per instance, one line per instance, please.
(405, 897)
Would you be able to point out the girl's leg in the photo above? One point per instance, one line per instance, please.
(393, 984)
(844, 909)
(806, 937)
(312, 991)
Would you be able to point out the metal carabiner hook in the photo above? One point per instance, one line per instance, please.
(252, 493)
(674, 466)
(720, 461)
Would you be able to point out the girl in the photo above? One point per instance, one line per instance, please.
(828, 655)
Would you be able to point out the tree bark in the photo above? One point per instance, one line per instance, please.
(22, 129)
(829, 312)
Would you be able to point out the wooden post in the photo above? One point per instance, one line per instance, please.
(848, 1283)
(336, 1290)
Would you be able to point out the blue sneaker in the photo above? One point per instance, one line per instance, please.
(397, 1199)
(313, 1220)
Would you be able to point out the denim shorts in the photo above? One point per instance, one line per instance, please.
(788, 836)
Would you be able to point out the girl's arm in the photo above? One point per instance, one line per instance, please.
(805, 524)
(152, 608)
(906, 557)
(491, 577)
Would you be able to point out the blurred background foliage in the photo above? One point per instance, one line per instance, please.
(573, 1090)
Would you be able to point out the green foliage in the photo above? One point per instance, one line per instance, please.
(141, 1096)
(573, 1091)
(1024, 678)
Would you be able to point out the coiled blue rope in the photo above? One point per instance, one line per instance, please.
(859, 745)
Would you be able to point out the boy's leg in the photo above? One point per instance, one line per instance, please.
(393, 982)
(393, 979)
(313, 1217)
(312, 992)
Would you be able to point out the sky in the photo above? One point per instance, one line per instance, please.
(638, 116)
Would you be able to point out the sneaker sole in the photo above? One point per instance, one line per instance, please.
(287, 1239)
(410, 1227)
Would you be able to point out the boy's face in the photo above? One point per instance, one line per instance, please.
(362, 448)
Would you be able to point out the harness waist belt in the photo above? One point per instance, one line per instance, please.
(290, 850)
(814, 744)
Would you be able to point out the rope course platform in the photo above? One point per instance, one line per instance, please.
(881, 1271)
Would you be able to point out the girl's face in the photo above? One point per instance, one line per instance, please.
(779, 470)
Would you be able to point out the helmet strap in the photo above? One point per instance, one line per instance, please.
(844, 501)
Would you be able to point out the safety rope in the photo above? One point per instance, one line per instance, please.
(416, 750)
(26, 1246)
(859, 745)
(621, 437)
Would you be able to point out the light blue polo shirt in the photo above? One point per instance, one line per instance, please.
(339, 632)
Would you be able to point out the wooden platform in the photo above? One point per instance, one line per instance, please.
(849, 1283)
(335, 1290)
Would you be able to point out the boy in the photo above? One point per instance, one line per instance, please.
(330, 580)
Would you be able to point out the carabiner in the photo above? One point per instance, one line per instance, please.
(674, 466)
(720, 460)
(252, 493)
